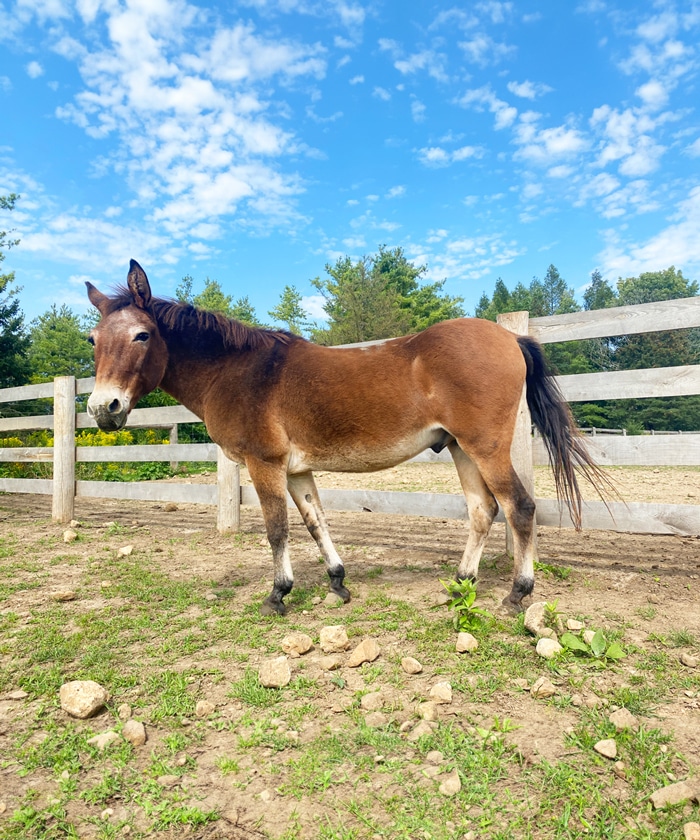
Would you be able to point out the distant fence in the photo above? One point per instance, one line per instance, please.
(228, 494)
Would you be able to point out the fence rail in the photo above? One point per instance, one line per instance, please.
(228, 494)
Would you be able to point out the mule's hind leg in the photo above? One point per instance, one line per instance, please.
(482, 508)
(270, 482)
(519, 510)
(303, 490)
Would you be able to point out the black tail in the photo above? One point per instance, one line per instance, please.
(552, 418)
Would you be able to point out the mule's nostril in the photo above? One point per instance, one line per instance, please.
(115, 406)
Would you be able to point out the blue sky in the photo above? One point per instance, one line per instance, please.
(253, 142)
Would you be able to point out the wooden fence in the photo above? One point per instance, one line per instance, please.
(228, 494)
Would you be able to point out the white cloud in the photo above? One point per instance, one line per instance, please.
(314, 304)
(381, 93)
(528, 90)
(355, 242)
(545, 146)
(466, 258)
(437, 156)
(357, 80)
(418, 111)
(5, 83)
(396, 192)
(694, 149)
(484, 97)
(431, 62)
(34, 70)
(481, 49)
(653, 94)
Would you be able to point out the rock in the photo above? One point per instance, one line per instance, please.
(542, 688)
(441, 692)
(82, 698)
(376, 719)
(534, 619)
(435, 757)
(576, 700)
(606, 748)
(125, 551)
(451, 784)
(411, 665)
(620, 769)
(425, 727)
(124, 712)
(329, 663)
(372, 702)
(521, 683)
(17, 695)
(63, 595)
(204, 708)
(441, 599)
(168, 781)
(366, 651)
(74, 523)
(623, 719)
(134, 732)
(428, 710)
(691, 831)
(333, 600)
(334, 639)
(676, 793)
(548, 648)
(171, 507)
(689, 660)
(574, 625)
(275, 673)
(104, 739)
(298, 643)
(69, 535)
(466, 643)
(587, 636)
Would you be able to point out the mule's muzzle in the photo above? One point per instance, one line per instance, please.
(110, 417)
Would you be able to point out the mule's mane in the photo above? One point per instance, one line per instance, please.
(211, 329)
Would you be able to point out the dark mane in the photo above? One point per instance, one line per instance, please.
(210, 330)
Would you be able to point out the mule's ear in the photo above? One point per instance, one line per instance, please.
(95, 296)
(138, 285)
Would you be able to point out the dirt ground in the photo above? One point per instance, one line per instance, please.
(643, 586)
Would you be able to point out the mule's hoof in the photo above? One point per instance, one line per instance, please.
(269, 607)
(513, 607)
(342, 592)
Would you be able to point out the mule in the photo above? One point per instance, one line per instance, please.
(285, 407)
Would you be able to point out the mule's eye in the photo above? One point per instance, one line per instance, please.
(91, 340)
(142, 336)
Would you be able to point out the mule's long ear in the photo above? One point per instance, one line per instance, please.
(95, 296)
(138, 285)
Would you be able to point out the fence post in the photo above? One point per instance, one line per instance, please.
(521, 448)
(173, 442)
(228, 479)
(63, 448)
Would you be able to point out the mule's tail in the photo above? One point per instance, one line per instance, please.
(562, 439)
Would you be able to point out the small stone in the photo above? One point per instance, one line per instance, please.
(519, 682)
(17, 695)
(587, 636)
(675, 794)
(298, 643)
(548, 648)
(441, 692)
(211, 596)
(372, 702)
(104, 739)
(451, 784)
(425, 727)
(435, 757)
(107, 813)
(275, 673)
(607, 748)
(334, 639)
(534, 619)
(266, 795)
(576, 700)
(574, 625)
(466, 643)
(623, 719)
(376, 719)
(689, 660)
(168, 780)
(542, 689)
(125, 551)
(366, 651)
(69, 535)
(74, 523)
(82, 698)
(620, 769)
(63, 595)
(411, 665)
(441, 599)
(333, 600)
(691, 831)
(171, 507)
(204, 708)
(329, 663)
(124, 712)
(134, 732)
(428, 710)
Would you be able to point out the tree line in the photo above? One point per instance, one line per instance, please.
(384, 295)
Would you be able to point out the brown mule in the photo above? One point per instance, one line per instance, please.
(285, 407)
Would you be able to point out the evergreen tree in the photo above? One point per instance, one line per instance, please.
(290, 311)
(59, 346)
(14, 366)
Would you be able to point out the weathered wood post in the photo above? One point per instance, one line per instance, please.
(173, 442)
(521, 449)
(63, 448)
(228, 479)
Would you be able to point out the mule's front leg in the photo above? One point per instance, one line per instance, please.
(270, 483)
(305, 494)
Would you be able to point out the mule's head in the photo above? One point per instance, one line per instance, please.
(130, 354)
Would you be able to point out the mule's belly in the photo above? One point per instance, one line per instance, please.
(362, 457)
